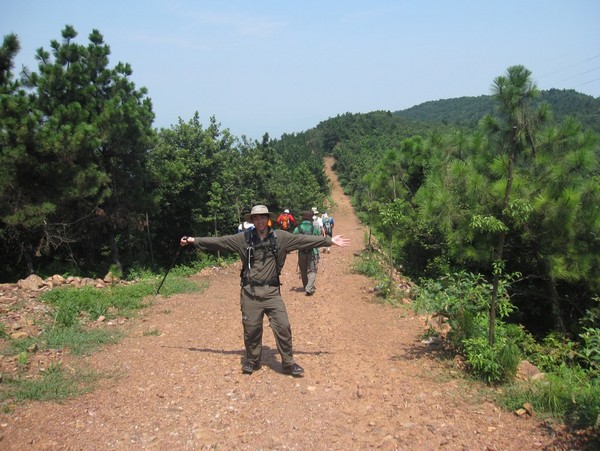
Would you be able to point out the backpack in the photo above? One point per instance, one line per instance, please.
(285, 222)
(250, 238)
(311, 232)
(328, 224)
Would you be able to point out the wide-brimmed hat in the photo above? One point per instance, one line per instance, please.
(258, 210)
(308, 215)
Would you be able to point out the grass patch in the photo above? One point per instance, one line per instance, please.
(178, 285)
(119, 300)
(80, 341)
(73, 309)
(569, 395)
(56, 384)
(368, 264)
(75, 338)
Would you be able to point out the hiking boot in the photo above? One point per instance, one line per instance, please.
(294, 369)
(249, 367)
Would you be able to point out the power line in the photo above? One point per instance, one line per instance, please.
(579, 74)
(548, 75)
(588, 82)
(570, 66)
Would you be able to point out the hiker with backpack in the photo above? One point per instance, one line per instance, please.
(308, 258)
(318, 224)
(286, 221)
(327, 224)
(263, 252)
(243, 226)
(327, 228)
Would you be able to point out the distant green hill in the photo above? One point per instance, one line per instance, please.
(467, 111)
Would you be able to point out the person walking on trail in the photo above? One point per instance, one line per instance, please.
(308, 258)
(318, 224)
(286, 221)
(327, 227)
(317, 221)
(244, 226)
(263, 252)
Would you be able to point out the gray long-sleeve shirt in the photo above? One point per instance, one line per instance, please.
(263, 265)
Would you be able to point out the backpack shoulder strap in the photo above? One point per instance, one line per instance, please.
(273, 245)
(312, 230)
(250, 245)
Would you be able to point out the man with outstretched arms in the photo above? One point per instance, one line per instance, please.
(263, 251)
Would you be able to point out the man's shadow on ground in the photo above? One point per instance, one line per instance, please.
(269, 355)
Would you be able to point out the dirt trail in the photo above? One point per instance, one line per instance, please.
(369, 382)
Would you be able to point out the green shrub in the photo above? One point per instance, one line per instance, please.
(554, 351)
(369, 265)
(568, 394)
(493, 364)
(590, 350)
(464, 300)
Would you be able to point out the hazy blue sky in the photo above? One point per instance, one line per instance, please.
(281, 66)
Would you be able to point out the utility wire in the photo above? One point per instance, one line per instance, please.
(571, 66)
(588, 82)
(579, 74)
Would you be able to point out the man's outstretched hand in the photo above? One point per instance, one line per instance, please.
(185, 240)
(339, 240)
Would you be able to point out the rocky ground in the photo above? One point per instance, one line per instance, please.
(371, 382)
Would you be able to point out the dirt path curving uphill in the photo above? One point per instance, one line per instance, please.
(369, 382)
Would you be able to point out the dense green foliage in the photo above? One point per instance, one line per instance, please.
(448, 197)
(87, 185)
(74, 152)
(505, 187)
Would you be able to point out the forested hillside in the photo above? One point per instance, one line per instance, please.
(440, 193)
(452, 198)
(467, 111)
(491, 205)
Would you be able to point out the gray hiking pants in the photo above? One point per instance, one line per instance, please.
(308, 270)
(255, 304)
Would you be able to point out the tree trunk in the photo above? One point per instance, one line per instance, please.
(114, 250)
(29, 259)
(554, 300)
(498, 253)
